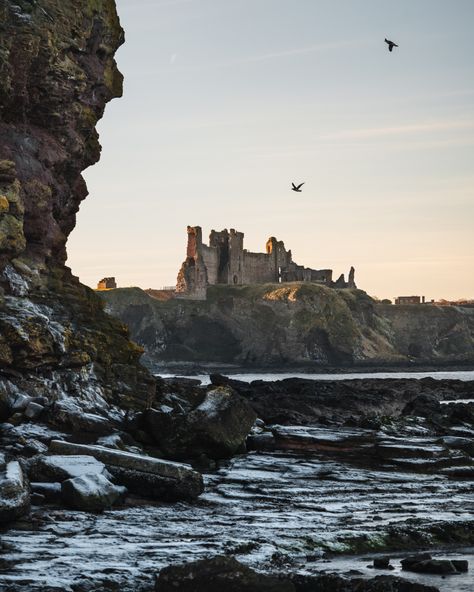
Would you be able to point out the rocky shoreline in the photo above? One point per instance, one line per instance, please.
(340, 458)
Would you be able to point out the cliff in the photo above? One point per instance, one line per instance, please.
(57, 72)
(292, 324)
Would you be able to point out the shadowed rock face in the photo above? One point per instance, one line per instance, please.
(57, 72)
(293, 324)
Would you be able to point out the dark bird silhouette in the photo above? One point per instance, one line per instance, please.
(297, 187)
(390, 44)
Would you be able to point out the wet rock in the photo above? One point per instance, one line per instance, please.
(75, 420)
(33, 410)
(58, 468)
(301, 401)
(20, 403)
(14, 491)
(174, 480)
(382, 563)
(217, 425)
(50, 491)
(37, 499)
(458, 472)
(32, 447)
(215, 575)
(263, 441)
(462, 565)
(335, 583)
(424, 563)
(459, 443)
(91, 493)
(157, 487)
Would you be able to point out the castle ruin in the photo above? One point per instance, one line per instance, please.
(225, 261)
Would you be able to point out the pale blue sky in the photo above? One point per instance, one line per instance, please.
(228, 101)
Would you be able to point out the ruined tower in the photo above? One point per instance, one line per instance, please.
(225, 261)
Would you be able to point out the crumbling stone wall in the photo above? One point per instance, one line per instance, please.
(225, 261)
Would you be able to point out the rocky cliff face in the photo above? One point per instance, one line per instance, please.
(292, 324)
(57, 72)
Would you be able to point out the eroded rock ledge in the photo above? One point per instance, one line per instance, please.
(57, 72)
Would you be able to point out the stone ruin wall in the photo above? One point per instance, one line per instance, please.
(258, 269)
(225, 261)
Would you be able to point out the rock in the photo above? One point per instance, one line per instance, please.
(57, 72)
(221, 574)
(462, 565)
(217, 426)
(78, 421)
(21, 402)
(458, 472)
(33, 410)
(382, 563)
(216, 575)
(14, 491)
(50, 491)
(183, 481)
(58, 468)
(37, 499)
(464, 444)
(407, 562)
(263, 441)
(91, 493)
(424, 563)
(33, 447)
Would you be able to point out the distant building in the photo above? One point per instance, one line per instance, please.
(410, 300)
(225, 261)
(108, 283)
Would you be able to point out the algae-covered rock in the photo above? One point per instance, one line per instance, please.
(57, 72)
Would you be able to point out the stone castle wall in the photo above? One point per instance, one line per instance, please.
(225, 261)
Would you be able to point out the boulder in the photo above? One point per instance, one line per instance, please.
(144, 475)
(58, 468)
(424, 563)
(215, 575)
(216, 426)
(14, 491)
(382, 563)
(91, 493)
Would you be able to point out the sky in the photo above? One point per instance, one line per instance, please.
(226, 102)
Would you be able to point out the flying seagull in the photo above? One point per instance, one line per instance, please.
(390, 44)
(297, 187)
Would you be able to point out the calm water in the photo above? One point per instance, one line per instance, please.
(268, 376)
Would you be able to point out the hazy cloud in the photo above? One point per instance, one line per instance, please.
(374, 132)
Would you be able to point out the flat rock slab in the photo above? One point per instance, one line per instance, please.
(180, 476)
(14, 492)
(58, 468)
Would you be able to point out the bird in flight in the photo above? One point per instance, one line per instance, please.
(297, 187)
(390, 44)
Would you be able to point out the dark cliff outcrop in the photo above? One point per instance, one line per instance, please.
(293, 324)
(57, 72)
